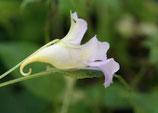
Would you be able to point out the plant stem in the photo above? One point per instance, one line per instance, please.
(47, 28)
(26, 78)
(139, 76)
(52, 7)
(9, 71)
(68, 94)
(123, 81)
(129, 90)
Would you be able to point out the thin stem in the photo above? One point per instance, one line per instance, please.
(129, 89)
(123, 81)
(52, 5)
(9, 71)
(68, 94)
(15, 67)
(26, 78)
(47, 28)
(139, 76)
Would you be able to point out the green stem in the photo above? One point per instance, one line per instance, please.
(51, 7)
(47, 28)
(15, 67)
(27, 78)
(129, 89)
(68, 94)
(123, 81)
(9, 71)
(139, 76)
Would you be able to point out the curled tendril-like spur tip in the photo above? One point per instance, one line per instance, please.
(22, 69)
(25, 63)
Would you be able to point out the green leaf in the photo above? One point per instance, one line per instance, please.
(65, 6)
(107, 96)
(80, 74)
(151, 43)
(32, 24)
(15, 100)
(8, 10)
(80, 107)
(9, 15)
(113, 4)
(116, 92)
(26, 2)
(145, 103)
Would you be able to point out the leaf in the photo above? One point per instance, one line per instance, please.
(26, 2)
(81, 74)
(80, 107)
(32, 24)
(9, 15)
(14, 100)
(97, 98)
(114, 97)
(65, 6)
(8, 10)
(145, 102)
(113, 4)
(151, 43)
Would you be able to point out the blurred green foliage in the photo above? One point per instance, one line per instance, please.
(130, 26)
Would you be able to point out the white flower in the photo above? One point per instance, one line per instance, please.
(69, 54)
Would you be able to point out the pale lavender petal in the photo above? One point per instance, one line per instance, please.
(108, 67)
(77, 30)
(95, 50)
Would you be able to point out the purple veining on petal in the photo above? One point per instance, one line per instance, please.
(108, 67)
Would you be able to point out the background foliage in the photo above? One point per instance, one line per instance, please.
(130, 26)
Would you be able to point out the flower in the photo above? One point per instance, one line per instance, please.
(68, 53)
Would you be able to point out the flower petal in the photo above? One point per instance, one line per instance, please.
(95, 50)
(77, 30)
(108, 67)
